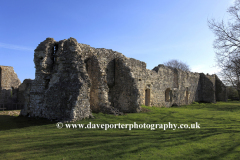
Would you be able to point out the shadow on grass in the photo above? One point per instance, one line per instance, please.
(225, 108)
(119, 144)
(16, 122)
(214, 140)
(215, 107)
(232, 108)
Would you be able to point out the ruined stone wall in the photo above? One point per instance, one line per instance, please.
(73, 80)
(60, 88)
(110, 74)
(221, 90)
(165, 86)
(187, 91)
(207, 88)
(152, 85)
(9, 83)
(24, 95)
(125, 92)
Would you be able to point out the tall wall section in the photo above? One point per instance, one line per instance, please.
(9, 83)
(221, 90)
(72, 80)
(110, 75)
(164, 86)
(207, 88)
(60, 88)
(24, 95)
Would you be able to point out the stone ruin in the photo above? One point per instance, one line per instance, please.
(9, 84)
(72, 80)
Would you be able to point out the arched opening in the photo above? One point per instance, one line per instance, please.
(110, 70)
(12, 91)
(147, 97)
(53, 56)
(168, 95)
(93, 71)
(186, 95)
(111, 76)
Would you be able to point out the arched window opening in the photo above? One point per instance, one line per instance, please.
(12, 91)
(186, 95)
(55, 48)
(168, 95)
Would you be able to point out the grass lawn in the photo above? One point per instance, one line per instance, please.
(217, 138)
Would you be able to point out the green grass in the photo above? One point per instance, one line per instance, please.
(217, 138)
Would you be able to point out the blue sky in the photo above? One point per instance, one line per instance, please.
(153, 31)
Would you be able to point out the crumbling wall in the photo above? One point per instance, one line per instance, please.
(221, 90)
(163, 86)
(207, 88)
(9, 83)
(113, 85)
(166, 86)
(73, 80)
(188, 87)
(60, 88)
(174, 86)
(94, 73)
(24, 95)
(124, 94)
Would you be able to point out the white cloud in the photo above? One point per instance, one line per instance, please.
(15, 47)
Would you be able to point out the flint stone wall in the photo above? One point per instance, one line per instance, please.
(9, 83)
(221, 90)
(24, 94)
(71, 77)
(73, 80)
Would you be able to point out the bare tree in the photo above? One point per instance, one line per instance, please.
(177, 64)
(227, 46)
(232, 93)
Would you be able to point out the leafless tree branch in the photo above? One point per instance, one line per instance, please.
(227, 46)
(177, 64)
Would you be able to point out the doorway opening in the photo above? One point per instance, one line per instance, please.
(186, 96)
(147, 97)
(168, 95)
